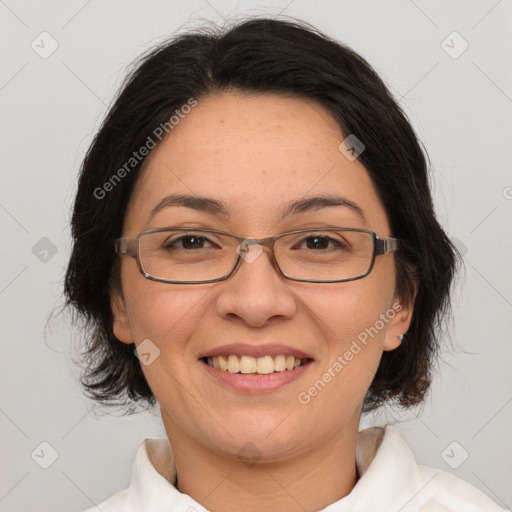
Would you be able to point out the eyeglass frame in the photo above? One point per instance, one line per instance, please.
(130, 247)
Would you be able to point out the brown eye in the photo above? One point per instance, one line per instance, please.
(187, 242)
(318, 242)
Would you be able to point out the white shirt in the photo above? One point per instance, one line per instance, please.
(390, 481)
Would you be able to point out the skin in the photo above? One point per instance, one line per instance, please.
(255, 152)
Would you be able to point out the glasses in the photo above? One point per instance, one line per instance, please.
(193, 256)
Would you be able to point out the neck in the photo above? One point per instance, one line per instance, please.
(310, 480)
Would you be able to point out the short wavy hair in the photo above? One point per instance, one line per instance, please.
(266, 56)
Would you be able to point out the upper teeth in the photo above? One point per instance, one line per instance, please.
(247, 364)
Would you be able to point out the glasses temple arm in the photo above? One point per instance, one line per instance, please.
(385, 245)
(126, 246)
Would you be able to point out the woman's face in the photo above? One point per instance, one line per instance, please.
(256, 154)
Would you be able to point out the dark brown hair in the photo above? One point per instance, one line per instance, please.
(259, 55)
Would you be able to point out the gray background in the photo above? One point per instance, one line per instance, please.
(460, 106)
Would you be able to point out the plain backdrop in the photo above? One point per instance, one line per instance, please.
(448, 64)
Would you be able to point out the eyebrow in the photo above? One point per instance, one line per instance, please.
(220, 209)
(317, 203)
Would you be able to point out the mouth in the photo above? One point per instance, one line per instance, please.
(249, 365)
(255, 369)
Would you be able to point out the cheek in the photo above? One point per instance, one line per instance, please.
(347, 309)
(353, 319)
(166, 314)
(353, 344)
(168, 317)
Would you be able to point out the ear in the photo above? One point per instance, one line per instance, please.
(398, 324)
(121, 324)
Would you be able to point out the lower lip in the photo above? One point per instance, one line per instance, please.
(253, 383)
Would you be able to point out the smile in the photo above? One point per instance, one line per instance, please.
(253, 382)
(249, 365)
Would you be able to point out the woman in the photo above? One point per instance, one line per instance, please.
(254, 219)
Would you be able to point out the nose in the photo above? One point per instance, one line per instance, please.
(256, 293)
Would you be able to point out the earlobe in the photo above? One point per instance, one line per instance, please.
(398, 325)
(120, 322)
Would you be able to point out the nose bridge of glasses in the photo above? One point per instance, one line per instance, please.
(249, 249)
(265, 242)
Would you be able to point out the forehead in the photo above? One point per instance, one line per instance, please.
(255, 153)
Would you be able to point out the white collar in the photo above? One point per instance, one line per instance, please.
(390, 480)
